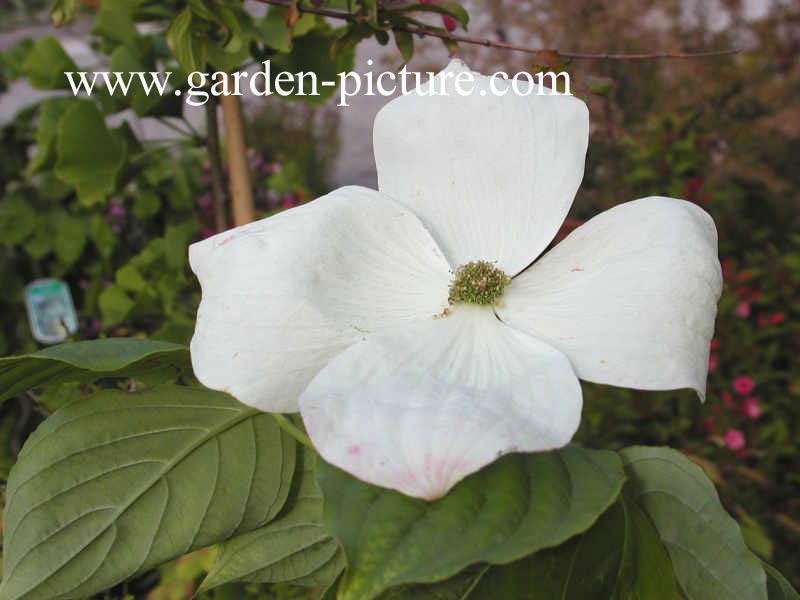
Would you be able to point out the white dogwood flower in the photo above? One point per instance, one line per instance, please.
(411, 326)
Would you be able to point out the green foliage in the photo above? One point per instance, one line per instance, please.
(294, 548)
(63, 11)
(121, 482)
(277, 33)
(777, 586)
(46, 64)
(91, 167)
(619, 558)
(88, 361)
(514, 507)
(187, 43)
(708, 553)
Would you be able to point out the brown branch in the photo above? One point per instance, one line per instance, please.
(444, 35)
(242, 207)
(215, 164)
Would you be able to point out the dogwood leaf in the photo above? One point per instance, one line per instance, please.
(91, 360)
(116, 484)
(619, 558)
(516, 506)
(777, 586)
(709, 557)
(294, 548)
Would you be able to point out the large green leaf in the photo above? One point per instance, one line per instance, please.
(619, 558)
(91, 360)
(459, 587)
(89, 155)
(294, 548)
(518, 505)
(121, 482)
(777, 586)
(709, 557)
(646, 570)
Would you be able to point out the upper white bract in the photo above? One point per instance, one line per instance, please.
(337, 308)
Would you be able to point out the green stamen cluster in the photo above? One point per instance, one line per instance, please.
(478, 282)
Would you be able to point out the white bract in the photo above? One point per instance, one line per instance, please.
(340, 308)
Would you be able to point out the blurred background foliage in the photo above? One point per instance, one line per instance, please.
(722, 132)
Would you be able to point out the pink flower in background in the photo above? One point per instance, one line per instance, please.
(713, 362)
(727, 268)
(751, 408)
(710, 425)
(257, 162)
(205, 201)
(773, 319)
(726, 397)
(714, 344)
(743, 385)
(743, 309)
(776, 318)
(734, 439)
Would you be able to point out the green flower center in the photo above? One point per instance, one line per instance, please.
(478, 282)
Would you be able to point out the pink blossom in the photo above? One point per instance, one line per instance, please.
(287, 200)
(743, 309)
(734, 439)
(448, 21)
(205, 200)
(726, 397)
(713, 362)
(714, 344)
(257, 162)
(710, 425)
(727, 268)
(751, 408)
(743, 385)
(776, 318)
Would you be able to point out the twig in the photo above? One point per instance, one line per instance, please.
(215, 164)
(174, 127)
(425, 31)
(191, 127)
(242, 207)
(292, 430)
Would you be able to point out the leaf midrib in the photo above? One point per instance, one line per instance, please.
(167, 467)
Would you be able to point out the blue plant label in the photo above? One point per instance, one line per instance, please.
(51, 312)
